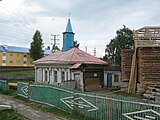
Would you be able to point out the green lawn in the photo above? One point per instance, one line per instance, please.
(10, 92)
(22, 72)
(15, 81)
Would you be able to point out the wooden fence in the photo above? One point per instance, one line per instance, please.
(95, 106)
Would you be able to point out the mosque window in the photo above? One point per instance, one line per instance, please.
(55, 76)
(63, 76)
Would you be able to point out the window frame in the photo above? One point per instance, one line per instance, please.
(116, 78)
(11, 61)
(55, 76)
(3, 61)
(11, 55)
(4, 54)
(18, 55)
(25, 55)
(63, 76)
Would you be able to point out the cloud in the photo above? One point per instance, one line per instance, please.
(94, 22)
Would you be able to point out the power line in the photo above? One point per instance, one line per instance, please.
(12, 36)
(14, 20)
(13, 31)
(85, 48)
(25, 20)
(94, 52)
(7, 27)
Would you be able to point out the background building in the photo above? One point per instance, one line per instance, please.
(16, 56)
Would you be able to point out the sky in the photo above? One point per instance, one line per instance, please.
(94, 22)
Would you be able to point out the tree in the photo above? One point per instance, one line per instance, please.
(76, 44)
(55, 48)
(48, 48)
(36, 46)
(123, 40)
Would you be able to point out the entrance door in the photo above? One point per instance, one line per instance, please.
(92, 84)
(77, 77)
(109, 80)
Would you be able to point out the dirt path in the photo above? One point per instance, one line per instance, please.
(27, 111)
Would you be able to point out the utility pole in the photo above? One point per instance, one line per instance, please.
(86, 48)
(94, 52)
(54, 41)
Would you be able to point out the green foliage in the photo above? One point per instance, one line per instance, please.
(48, 48)
(10, 92)
(76, 44)
(55, 48)
(29, 73)
(123, 40)
(19, 72)
(36, 46)
(10, 114)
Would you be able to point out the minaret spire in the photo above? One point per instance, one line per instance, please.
(68, 37)
(69, 26)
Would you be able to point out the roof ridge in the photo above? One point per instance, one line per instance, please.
(74, 55)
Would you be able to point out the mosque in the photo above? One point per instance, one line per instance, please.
(71, 66)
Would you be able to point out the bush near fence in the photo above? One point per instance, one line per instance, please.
(99, 107)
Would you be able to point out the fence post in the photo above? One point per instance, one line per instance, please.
(74, 96)
(29, 90)
(108, 105)
(6, 86)
(121, 111)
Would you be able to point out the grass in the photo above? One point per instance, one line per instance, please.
(23, 80)
(10, 92)
(24, 72)
(10, 114)
(21, 71)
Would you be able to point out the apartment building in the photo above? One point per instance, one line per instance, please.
(16, 56)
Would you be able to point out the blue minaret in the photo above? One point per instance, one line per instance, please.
(68, 37)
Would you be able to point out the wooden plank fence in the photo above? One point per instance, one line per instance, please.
(95, 106)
